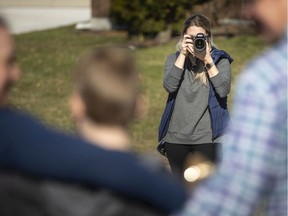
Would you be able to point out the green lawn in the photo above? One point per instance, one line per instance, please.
(47, 58)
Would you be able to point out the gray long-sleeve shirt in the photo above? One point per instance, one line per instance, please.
(190, 121)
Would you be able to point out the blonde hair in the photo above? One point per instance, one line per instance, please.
(198, 20)
(108, 82)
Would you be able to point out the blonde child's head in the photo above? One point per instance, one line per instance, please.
(106, 86)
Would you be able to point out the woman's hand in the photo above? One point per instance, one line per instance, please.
(187, 45)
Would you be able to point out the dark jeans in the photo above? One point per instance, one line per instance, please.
(177, 155)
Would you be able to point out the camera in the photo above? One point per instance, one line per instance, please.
(200, 42)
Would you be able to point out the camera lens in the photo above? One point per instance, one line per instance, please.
(200, 44)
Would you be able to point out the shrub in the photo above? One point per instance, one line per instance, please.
(149, 17)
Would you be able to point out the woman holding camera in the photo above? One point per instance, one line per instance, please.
(200, 75)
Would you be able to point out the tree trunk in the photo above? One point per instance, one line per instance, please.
(101, 8)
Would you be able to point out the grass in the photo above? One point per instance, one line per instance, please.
(47, 58)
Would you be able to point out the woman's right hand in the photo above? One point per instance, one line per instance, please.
(187, 45)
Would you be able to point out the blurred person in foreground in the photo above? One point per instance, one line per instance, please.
(28, 147)
(253, 169)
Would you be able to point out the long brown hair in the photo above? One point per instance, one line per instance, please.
(202, 21)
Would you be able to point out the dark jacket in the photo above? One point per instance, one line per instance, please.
(27, 196)
(27, 146)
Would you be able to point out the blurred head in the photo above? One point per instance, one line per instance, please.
(9, 71)
(270, 17)
(106, 87)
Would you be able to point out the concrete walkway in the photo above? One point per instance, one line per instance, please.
(27, 19)
(45, 3)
